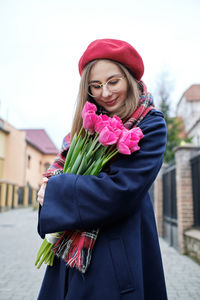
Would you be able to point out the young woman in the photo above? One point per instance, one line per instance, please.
(125, 261)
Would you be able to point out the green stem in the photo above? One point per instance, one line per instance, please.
(51, 259)
(41, 250)
(45, 255)
(111, 155)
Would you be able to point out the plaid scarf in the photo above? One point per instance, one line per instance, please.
(75, 247)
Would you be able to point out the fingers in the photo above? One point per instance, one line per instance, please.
(40, 197)
(41, 192)
(45, 179)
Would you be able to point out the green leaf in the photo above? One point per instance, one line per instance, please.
(69, 153)
(76, 163)
(83, 166)
(76, 152)
(88, 171)
(99, 153)
(97, 167)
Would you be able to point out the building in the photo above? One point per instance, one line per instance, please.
(188, 108)
(40, 153)
(24, 155)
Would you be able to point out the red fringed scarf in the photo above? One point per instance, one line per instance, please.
(75, 247)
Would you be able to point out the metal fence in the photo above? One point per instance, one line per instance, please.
(170, 206)
(195, 166)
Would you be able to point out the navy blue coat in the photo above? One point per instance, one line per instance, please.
(126, 262)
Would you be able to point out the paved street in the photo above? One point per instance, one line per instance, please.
(20, 280)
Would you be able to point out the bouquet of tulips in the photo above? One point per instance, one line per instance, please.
(104, 138)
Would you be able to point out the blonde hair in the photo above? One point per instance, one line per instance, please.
(124, 112)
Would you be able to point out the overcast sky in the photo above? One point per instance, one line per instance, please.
(41, 42)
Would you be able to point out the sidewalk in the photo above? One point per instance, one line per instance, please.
(20, 280)
(181, 273)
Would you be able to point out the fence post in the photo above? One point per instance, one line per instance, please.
(25, 200)
(16, 196)
(184, 191)
(10, 194)
(158, 202)
(3, 195)
(33, 197)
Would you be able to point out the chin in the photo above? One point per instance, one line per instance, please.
(113, 108)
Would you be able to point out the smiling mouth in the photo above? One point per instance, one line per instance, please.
(111, 103)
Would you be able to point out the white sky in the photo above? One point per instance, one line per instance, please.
(41, 42)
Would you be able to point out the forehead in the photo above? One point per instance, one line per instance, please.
(103, 69)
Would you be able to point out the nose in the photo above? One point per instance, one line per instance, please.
(105, 91)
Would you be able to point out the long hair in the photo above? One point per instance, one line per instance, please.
(124, 112)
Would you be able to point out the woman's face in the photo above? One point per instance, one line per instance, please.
(111, 95)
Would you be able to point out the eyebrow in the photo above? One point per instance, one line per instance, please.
(93, 81)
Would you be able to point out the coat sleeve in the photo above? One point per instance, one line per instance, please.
(87, 202)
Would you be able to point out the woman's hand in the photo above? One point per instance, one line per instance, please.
(41, 192)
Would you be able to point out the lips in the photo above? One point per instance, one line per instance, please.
(111, 103)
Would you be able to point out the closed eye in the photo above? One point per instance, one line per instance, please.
(113, 81)
(95, 86)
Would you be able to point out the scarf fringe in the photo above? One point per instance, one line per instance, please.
(75, 248)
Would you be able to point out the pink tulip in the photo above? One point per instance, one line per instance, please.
(89, 121)
(88, 107)
(137, 131)
(108, 136)
(101, 122)
(123, 143)
(128, 142)
(116, 122)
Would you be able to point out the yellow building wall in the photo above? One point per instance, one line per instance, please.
(33, 166)
(36, 162)
(14, 163)
(2, 144)
(47, 159)
(15, 167)
(2, 152)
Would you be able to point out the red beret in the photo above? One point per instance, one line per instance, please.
(115, 50)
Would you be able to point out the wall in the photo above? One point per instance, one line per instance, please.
(14, 163)
(33, 167)
(189, 111)
(47, 159)
(36, 166)
(195, 133)
(19, 178)
(192, 244)
(2, 151)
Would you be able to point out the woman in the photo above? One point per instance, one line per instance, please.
(126, 261)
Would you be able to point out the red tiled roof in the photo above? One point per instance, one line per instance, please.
(192, 93)
(40, 140)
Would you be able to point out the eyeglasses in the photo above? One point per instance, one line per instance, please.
(113, 85)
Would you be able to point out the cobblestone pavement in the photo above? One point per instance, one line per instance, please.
(181, 273)
(20, 280)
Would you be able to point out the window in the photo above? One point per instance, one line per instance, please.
(46, 165)
(29, 161)
(40, 164)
